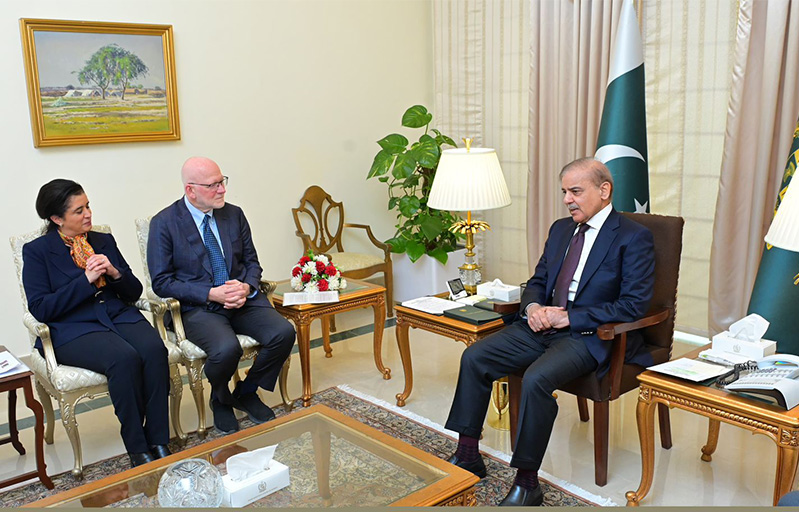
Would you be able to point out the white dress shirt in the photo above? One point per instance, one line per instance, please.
(594, 225)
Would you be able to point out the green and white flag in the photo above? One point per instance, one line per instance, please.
(621, 144)
(775, 296)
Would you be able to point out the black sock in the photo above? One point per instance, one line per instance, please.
(526, 478)
(467, 448)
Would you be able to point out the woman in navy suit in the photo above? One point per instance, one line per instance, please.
(78, 283)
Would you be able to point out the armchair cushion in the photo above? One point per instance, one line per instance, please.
(193, 352)
(66, 378)
(348, 261)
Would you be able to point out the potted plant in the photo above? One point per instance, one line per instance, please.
(408, 168)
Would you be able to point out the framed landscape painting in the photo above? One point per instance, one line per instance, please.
(97, 82)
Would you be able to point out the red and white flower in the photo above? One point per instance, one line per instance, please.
(315, 273)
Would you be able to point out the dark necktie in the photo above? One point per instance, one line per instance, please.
(218, 265)
(566, 274)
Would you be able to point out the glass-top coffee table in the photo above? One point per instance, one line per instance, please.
(333, 460)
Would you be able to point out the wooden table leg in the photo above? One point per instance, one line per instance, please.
(38, 428)
(787, 458)
(321, 453)
(326, 335)
(379, 309)
(645, 417)
(712, 440)
(12, 422)
(405, 355)
(304, 348)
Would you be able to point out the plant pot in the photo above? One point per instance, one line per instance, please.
(425, 277)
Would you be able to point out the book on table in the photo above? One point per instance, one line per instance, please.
(472, 315)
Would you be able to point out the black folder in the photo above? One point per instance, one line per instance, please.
(472, 315)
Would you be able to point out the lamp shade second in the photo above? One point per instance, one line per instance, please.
(468, 180)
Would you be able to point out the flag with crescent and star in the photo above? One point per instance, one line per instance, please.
(775, 296)
(621, 144)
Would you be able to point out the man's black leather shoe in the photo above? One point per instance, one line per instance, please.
(137, 459)
(476, 466)
(224, 418)
(518, 496)
(250, 403)
(160, 451)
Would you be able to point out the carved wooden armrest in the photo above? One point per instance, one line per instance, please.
(268, 288)
(41, 330)
(158, 308)
(609, 331)
(377, 243)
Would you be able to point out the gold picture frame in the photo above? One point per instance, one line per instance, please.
(120, 82)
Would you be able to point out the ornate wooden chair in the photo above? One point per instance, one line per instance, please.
(327, 222)
(193, 357)
(657, 329)
(69, 384)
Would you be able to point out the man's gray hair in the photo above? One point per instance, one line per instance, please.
(599, 171)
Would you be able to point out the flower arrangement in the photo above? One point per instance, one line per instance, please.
(315, 273)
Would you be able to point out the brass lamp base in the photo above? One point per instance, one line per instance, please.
(469, 271)
(499, 409)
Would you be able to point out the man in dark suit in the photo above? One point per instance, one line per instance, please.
(200, 251)
(597, 267)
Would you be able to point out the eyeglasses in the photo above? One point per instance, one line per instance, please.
(213, 186)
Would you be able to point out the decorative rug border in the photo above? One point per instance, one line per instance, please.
(555, 481)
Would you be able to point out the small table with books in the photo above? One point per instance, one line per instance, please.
(358, 294)
(452, 328)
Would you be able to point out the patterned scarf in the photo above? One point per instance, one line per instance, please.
(80, 250)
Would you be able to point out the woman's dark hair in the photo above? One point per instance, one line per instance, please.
(53, 199)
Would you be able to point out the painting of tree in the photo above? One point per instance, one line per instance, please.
(111, 64)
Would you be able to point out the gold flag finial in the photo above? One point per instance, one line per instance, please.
(468, 143)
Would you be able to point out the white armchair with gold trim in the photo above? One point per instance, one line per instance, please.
(193, 356)
(70, 384)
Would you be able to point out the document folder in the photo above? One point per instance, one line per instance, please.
(472, 315)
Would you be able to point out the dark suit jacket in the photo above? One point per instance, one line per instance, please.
(60, 295)
(178, 261)
(616, 284)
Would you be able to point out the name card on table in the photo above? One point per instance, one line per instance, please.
(292, 298)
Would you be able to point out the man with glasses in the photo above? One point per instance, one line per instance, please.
(200, 251)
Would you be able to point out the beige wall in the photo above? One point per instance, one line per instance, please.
(283, 94)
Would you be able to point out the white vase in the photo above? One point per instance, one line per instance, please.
(425, 277)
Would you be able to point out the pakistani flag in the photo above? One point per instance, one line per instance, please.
(621, 144)
(775, 296)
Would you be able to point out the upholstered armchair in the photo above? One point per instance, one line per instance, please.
(69, 384)
(657, 330)
(193, 357)
(326, 217)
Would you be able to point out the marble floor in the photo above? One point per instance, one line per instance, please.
(741, 473)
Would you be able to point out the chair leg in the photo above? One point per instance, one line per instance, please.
(283, 383)
(582, 408)
(175, 395)
(71, 426)
(665, 426)
(601, 428)
(195, 369)
(49, 414)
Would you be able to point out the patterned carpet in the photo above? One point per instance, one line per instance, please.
(489, 491)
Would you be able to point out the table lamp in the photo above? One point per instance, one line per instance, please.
(784, 229)
(469, 179)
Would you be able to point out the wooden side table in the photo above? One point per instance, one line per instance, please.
(445, 326)
(11, 384)
(718, 406)
(359, 294)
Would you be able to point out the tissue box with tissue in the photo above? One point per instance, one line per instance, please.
(253, 475)
(745, 338)
(498, 290)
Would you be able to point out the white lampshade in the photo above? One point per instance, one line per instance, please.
(784, 230)
(468, 180)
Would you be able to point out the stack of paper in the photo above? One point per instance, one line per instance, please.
(432, 305)
(10, 365)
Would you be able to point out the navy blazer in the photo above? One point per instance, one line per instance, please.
(179, 263)
(60, 295)
(616, 284)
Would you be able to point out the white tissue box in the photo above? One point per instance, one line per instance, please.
(499, 291)
(725, 342)
(239, 494)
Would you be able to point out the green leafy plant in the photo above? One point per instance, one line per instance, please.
(408, 170)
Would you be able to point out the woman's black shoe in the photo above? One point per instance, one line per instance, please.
(137, 459)
(159, 451)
